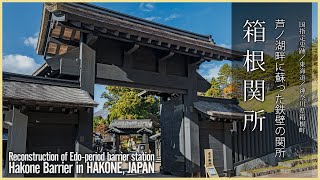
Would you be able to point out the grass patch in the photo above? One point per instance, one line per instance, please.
(304, 165)
(310, 156)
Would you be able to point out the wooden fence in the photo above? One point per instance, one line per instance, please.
(249, 144)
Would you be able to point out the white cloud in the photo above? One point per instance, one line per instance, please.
(17, 63)
(171, 17)
(210, 72)
(153, 18)
(225, 45)
(211, 69)
(31, 40)
(147, 7)
(98, 90)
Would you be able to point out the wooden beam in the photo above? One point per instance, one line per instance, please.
(22, 108)
(70, 66)
(139, 86)
(101, 29)
(75, 23)
(58, 49)
(201, 60)
(73, 34)
(51, 26)
(61, 32)
(55, 117)
(63, 41)
(136, 77)
(89, 26)
(133, 49)
(67, 63)
(127, 30)
(128, 36)
(115, 32)
(58, 17)
(167, 56)
(147, 44)
(195, 51)
(54, 62)
(35, 79)
(91, 39)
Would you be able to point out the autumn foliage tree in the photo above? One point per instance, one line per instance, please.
(101, 128)
(124, 103)
(231, 91)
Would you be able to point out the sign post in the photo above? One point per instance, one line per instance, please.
(209, 167)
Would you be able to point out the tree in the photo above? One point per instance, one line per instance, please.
(124, 103)
(224, 76)
(97, 120)
(101, 128)
(214, 90)
(231, 91)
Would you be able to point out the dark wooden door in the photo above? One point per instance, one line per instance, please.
(54, 138)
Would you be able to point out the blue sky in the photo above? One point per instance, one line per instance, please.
(21, 24)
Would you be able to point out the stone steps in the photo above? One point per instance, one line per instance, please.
(285, 167)
(304, 167)
(296, 162)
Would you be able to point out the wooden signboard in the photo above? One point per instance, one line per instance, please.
(208, 164)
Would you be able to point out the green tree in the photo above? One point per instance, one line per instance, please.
(124, 103)
(214, 90)
(224, 76)
(97, 121)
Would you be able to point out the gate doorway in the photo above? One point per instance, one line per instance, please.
(92, 45)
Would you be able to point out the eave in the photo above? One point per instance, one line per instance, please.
(69, 19)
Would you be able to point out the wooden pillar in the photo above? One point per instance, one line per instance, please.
(113, 142)
(17, 124)
(117, 142)
(87, 80)
(144, 138)
(191, 126)
(227, 150)
(159, 147)
(84, 139)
